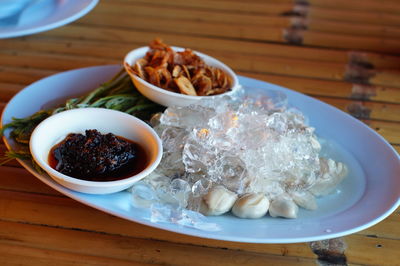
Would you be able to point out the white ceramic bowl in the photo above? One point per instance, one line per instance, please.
(168, 98)
(55, 128)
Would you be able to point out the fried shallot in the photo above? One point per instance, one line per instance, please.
(182, 72)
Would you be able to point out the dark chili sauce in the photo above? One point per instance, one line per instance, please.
(97, 157)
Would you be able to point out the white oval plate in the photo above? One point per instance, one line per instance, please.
(45, 15)
(368, 195)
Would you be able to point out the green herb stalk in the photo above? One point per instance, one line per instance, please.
(118, 94)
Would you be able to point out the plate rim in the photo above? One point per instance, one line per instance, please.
(203, 234)
(38, 27)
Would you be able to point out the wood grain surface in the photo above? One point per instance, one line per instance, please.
(343, 52)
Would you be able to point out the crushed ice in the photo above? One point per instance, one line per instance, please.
(246, 144)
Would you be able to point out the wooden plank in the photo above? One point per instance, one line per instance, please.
(62, 214)
(375, 251)
(323, 25)
(18, 179)
(182, 13)
(305, 85)
(76, 34)
(388, 77)
(367, 5)
(312, 86)
(66, 213)
(341, 89)
(271, 1)
(22, 76)
(388, 228)
(194, 28)
(131, 249)
(248, 63)
(303, 68)
(281, 7)
(314, 12)
(350, 42)
(246, 32)
(389, 130)
(44, 61)
(270, 8)
(22, 255)
(238, 62)
(112, 49)
(366, 110)
(154, 11)
(345, 14)
(284, 66)
(8, 90)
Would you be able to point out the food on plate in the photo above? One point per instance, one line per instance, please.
(283, 207)
(305, 199)
(118, 94)
(97, 157)
(252, 205)
(218, 200)
(181, 72)
(248, 155)
(332, 173)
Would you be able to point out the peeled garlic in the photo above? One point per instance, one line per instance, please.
(218, 200)
(251, 206)
(283, 207)
(304, 199)
(332, 173)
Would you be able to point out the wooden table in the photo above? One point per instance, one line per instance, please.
(343, 52)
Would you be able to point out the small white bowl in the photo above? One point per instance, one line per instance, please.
(55, 128)
(169, 98)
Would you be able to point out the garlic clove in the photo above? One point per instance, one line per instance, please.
(305, 200)
(251, 206)
(332, 173)
(283, 207)
(217, 201)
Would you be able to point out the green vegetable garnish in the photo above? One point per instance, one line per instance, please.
(119, 94)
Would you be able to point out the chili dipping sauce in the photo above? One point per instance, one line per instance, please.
(97, 157)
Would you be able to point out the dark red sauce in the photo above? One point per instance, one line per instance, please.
(97, 157)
